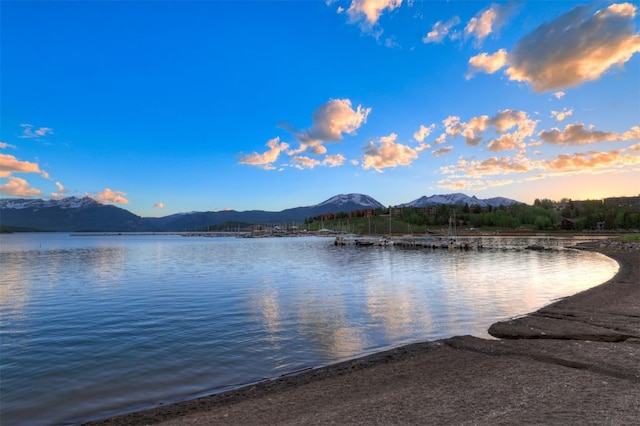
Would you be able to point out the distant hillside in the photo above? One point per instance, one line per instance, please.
(337, 204)
(68, 214)
(85, 214)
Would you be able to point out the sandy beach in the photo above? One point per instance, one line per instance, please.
(576, 361)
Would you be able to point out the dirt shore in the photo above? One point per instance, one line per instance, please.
(576, 361)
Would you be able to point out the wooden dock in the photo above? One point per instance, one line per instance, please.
(460, 243)
(472, 242)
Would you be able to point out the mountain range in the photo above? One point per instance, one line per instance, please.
(86, 214)
(458, 199)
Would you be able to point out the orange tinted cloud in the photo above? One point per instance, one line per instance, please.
(334, 160)
(330, 121)
(489, 166)
(489, 64)
(442, 151)
(575, 48)
(480, 26)
(305, 162)
(578, 134)
(589, 161)
(266, 159)
(10, 164)
(368, 12)
(423, 132)
(561, 115)
(505, 142)
(440, 30)
(112, 197)
(19, 188)
(471, 185)
(388, 153)
(501, 122)
(487, 21)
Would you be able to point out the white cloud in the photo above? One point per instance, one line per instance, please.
(159, 205)
(62, 191)
(440, 30)
(391, 42)
(559, 94)
(28, 131)
(4, 145)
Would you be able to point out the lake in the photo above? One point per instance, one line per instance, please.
(98, 325)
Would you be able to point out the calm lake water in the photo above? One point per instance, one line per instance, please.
(97, 325)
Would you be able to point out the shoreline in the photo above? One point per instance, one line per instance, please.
(576, 360)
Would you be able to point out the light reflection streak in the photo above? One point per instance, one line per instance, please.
(324, 322)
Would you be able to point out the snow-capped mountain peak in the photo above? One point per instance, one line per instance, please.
(458, 199)
(63, 203)
(359, 199)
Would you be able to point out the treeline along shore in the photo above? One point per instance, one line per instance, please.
(576, 361)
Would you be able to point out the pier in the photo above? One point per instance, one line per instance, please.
(472, 242)
(410, 241)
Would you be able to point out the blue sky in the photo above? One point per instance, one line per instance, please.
(166, 107)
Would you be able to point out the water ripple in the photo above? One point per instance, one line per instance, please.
(113, 323)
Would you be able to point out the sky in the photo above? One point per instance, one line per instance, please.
(163, 107)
